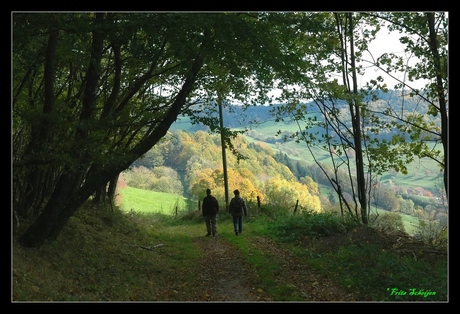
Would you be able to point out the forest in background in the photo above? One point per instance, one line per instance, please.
(186, 163)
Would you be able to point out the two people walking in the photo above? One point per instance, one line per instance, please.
(237, 208)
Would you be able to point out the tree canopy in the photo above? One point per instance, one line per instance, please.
(350, 120)
(92, 92)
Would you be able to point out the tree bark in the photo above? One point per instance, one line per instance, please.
(356, 124)
(112, 189)
(66, 198)
(35, 189)
(440, 92)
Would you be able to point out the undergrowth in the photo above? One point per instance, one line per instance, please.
(370, 267)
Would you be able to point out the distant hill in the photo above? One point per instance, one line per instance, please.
(254, 117)
(234, 117)
(422, 183)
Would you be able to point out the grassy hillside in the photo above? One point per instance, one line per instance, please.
(423, 173)
(144, 201)
(107, 256)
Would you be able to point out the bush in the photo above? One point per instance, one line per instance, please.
(432, 233)
(289, 228)
(272, 211)
(387, 221)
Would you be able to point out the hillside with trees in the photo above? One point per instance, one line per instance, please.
(194, 161)
(187, 164)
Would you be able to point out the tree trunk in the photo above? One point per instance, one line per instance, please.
(45, 226)
(440, 92)
(69, 195)
(104, 193)
(35, 190)
(357, 138)
(112, 189)
(100, 195)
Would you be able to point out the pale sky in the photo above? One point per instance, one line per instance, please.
(388, 43)
(384, 43)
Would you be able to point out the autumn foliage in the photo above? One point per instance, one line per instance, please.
(195, 160)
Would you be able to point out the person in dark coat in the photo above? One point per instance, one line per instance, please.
(210, 210)
(237, 209)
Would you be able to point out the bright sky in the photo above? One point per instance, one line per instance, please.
(387, 43)
(384, 43)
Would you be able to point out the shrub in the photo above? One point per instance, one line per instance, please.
(387, 221)
(289, 228)
(432, 233)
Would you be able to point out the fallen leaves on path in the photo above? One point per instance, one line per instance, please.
(308, 283)
(223, 273)
(224, 276)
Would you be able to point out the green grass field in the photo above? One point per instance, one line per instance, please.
(145, 201)
(423, 173)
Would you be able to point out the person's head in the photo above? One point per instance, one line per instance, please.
(208, 191)
(236, 192)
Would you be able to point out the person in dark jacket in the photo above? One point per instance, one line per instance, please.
(210, 210)
(237, 209)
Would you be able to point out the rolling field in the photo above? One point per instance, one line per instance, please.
(145, 201)
(423, 173)
(411, 223)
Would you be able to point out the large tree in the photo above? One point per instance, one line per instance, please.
(424, 36)
(93, 92)
(349, 121)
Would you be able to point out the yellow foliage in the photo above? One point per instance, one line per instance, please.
(284, 194)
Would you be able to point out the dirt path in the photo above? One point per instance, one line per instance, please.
(302, 280)
(224, 274)
(226, 277)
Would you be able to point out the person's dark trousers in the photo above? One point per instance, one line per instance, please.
(238, 224)
(211, 224)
